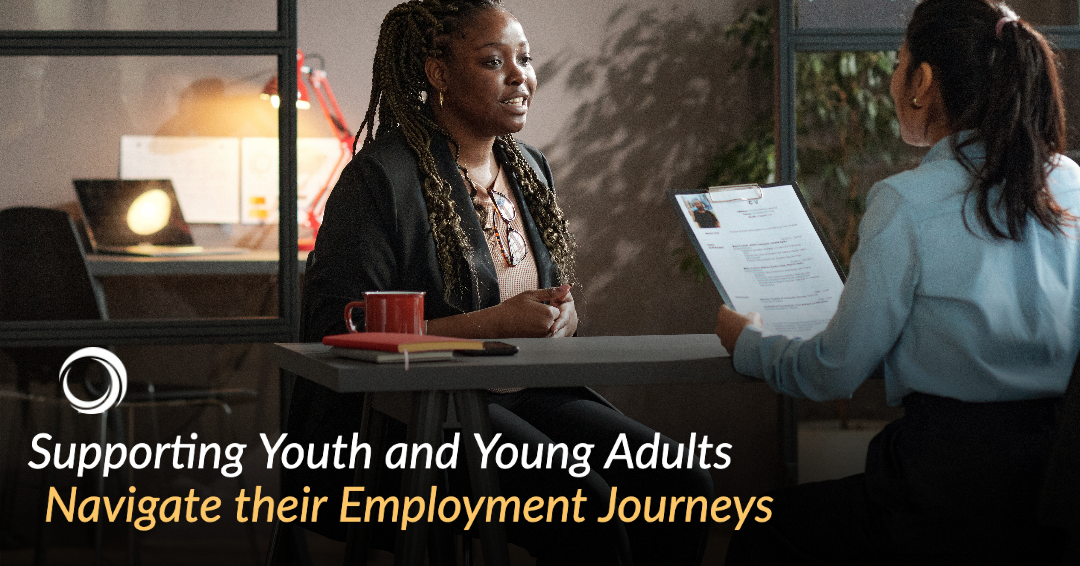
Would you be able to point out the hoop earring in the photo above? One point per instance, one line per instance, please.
(914, 103)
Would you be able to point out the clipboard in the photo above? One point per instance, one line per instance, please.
(698, 210)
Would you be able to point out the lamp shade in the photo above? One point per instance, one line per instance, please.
(270, 91)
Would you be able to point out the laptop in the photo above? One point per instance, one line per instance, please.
(137, 217)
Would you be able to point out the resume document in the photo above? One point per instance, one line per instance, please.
(764, 255)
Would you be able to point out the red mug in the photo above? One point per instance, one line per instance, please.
(389, 311)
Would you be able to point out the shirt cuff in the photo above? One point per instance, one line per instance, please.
(747, 357)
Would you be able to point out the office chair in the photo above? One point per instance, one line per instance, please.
(1059, 504)
(44, 276)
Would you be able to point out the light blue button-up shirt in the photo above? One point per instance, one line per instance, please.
(941, 310)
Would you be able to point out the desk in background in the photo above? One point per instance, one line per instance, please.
(422, 394)
(255, 262)
(183, 287)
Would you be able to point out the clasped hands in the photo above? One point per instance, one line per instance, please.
(541, 313)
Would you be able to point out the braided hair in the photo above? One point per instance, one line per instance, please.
(410, 33)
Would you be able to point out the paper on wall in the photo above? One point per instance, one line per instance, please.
(205, 171)
(317, 162)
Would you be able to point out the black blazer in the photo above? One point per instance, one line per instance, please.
(376, 237)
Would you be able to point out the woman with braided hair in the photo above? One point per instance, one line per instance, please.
(441, 198)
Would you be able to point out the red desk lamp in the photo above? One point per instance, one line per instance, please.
(334, 117)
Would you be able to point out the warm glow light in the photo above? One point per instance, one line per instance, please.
(149, 213)
(269, 91)
(275, 101)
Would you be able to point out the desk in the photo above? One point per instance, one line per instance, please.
(542, 362)
(255, 262)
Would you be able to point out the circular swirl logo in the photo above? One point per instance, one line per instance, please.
(116, 389)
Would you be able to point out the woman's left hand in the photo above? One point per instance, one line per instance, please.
(566, 323)
(729, 324)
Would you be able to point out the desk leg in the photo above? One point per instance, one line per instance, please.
(429, 413)
(473, 413)
(373, 432)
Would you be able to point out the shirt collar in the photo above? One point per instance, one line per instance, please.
(943, 148)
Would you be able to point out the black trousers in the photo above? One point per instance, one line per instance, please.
(949, 483)
(532, 417)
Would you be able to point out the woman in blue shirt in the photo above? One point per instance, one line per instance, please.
(965, 293)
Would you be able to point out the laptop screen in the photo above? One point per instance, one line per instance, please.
(122, 212)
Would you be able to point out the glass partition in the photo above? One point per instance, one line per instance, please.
(199, 122)
(1070, 83)
(848, 137)
(129, 15)
(841, 135)
(894, 14)
(853, 14)
(85, 83)
(1047, 12)
(65, 117)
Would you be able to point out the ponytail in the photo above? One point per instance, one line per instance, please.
(998, 76)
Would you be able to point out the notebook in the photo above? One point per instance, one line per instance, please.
(399, 343)
(137, 217)
(391, 357)
(391, 347)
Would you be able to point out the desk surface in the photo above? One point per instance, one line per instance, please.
(542, 362)
(255, 262)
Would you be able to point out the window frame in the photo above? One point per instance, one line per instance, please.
(281, 43)
(793, 40)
